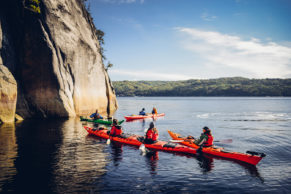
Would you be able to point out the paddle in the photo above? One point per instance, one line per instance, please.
(142, 148)
(108, 140)
(224, 141)
(217, 141)
(176, 140)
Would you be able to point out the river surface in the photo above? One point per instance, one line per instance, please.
(57, 156)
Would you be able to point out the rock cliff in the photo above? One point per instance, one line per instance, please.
(51, 48)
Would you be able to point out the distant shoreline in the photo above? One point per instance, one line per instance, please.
(210, 96)
(221, 87)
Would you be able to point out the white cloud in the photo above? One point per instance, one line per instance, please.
(259, 60)
(206, 17)
(145, 75)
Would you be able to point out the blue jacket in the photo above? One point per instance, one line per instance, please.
(142, 113)
(96, 116)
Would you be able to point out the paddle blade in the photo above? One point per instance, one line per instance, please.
(176, 141)
(142, 148)
(224, 141)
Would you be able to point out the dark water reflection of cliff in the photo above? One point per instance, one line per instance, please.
(48, 156)
(8, 154)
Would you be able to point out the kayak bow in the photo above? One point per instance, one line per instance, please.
(250, 157)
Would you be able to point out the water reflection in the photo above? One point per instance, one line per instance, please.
(152, 158)
(116, 152)
(37, 141)
(250, 169)
(79, 163)
(8, 154)
(205, 162)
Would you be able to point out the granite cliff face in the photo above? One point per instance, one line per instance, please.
(8, 95)
(53, 52)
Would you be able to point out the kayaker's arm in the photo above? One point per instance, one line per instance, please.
(203, 138)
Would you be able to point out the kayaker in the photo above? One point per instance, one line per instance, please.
(206, 138)
(142, 112)
(116, 130)
(96, 115)
(151, 135)
(154, 111)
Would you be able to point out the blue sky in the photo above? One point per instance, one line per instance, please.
(195, 39)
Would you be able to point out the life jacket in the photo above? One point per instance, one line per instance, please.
(155, 135)
(115, 130)
(149, 134)
(209, 141)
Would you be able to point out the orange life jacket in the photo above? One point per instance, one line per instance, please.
(209, 141)
(155, 135)
(115, 131)
(149, 134)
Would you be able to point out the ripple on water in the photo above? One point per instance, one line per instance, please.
(60, 157)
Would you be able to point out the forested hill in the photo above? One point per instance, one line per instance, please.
(235, 86)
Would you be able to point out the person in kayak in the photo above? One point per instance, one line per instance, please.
(151, 135)
(142, 112)
(116, 130)
(154, 111)
(96, 115)
(206, 138)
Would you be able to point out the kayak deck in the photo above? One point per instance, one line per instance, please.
(132, 139)
(220, 152)
(134, 117)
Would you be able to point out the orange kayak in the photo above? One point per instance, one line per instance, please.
(134, 117)
(250, 157)
(132, 139)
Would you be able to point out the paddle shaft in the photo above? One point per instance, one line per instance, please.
(216, 141)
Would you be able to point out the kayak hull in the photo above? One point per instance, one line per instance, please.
(135, 117)
(219, 152)
(132, 139)
(100, 121)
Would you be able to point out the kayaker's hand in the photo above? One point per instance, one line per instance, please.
(190, 137)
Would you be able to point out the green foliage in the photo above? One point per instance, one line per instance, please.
(33, 5)
(100, 34)
(109, 65)
(235, 86)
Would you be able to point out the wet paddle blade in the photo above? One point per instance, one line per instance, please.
(224, 141)
(176, 141)
(142, 148)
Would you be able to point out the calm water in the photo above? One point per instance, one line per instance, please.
(57, 156)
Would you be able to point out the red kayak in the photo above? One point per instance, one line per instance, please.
(132, 139)
(134, 117)
(250, 157)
